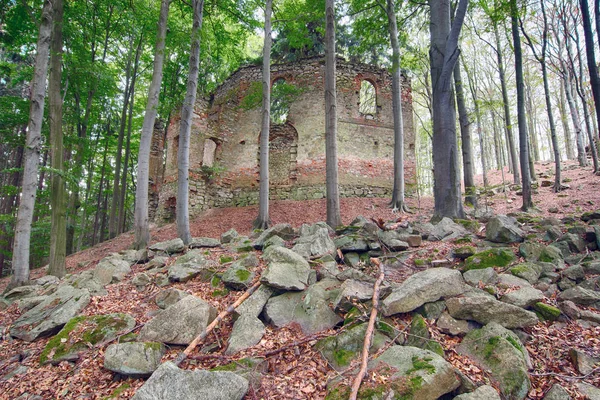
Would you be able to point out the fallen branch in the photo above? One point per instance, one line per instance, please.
(183, 355)
(369, 333)
(567, 377)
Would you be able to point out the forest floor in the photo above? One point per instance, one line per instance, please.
(298, 371)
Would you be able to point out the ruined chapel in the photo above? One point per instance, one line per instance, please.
(224, 142)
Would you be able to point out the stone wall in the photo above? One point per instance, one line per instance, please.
(226, 129)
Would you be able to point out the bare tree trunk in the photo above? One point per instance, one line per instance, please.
(183, 154)
(465, 134)
(397, 202)
(523, 141)
(589, 51)
(263, 221)
(142, 231)
(58, 230)
(508, 124)
(443, 54)
(334, 218)
(576, 121)
(562, 107)
(497, 143)
(535, 149)
(101, 187)
(20, 260)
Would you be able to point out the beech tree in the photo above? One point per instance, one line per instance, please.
(262, 222)
(141, 228)
(590, 52)
(443, 54)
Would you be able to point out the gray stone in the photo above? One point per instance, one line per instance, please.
(485, 309)
(570, 309)
(141, 280)
(412, 240)
(353, 260)
(464, 252)
(134, 359)
(579, 295)
(528, 271)
(157, 262)
(423, 287)
(85, 280)
(432, 310)
(351, 243)
(392, 240)
(47, 280)
(51, 314)
(591, 391)
(180, 323)
(584, 363)
(247, 332)
(503, 229)
(274, 241)
(169, 382)
(552, 233)
(237, 277)
(229, 236)
(169, 247)
(189, 266)
(355, 274)
(524, 297)
(508, 280)
(592, 267)
(28, 303)
(500, 351)
(21, 292)
(168, 297)
(18, 370)
(134, 256)
(284, 231)
(531, 251)
(285, 270)
(352, 292)
(487, 276)
(552, 254)
(575, 242)
(452, 326)
(446, 230)
(557, 392)
(575, 273)
(309, 309)
(484, 392)
(204, 242)
(254, 305)
(419, 336)
(111, 270)
(315, 243)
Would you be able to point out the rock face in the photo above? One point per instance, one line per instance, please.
(285, 270)
(189, 266)
(446, 230)
(169, 382)
(237, 277)
(255, 303)
(111, 269)
(423, 287)
(315, 243)
(180, 323)
(484, 392)
(580, 295)
(503, 229)
(168, 297)
(51, 314)
(247, 331)
(486, 309)
(499, 350)
(168, 247)
(204, 242)
(134, 359)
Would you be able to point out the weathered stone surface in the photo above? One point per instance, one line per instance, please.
(575, 242)
(487, 276)
(591, 391)
(423, 287)
(284, 231)
(464, 252)
(499, 350)
(351, 243)
(309, 309)
(229, 236)
(180, 323)
(392, 240)
(27, 303)
(524, 297)
(72, 339)
(531, 251)
(528, 271)
(168, 297)
(47, 280)
(169, 247)
(21, 292)
(237, 277)
(432, 310)
(285, 270)
(134, 359)
(575, 273)
(352, 291)
(315, 243)
(274, 241)
(111, 269)
(485, 309)
(484, 392)
(557, 392)
(341, 349)
(509, 280)
(489, 258)
(204, 242)
(419, 336)
(446, 230)
(452, 326)
(85, 280)
(503, 229)
(584, 363)
(51, 314)
(254, 305)
(169, 382)
(18, 370)
(247, 331)
(579, 295)
(189, 266)
(141, 280)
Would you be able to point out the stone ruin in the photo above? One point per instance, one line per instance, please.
(224, 143)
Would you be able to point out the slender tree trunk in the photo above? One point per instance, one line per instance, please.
(497, 143)
(589, 51)
(58, 230)
(263, 221)
(508, 124)
(443, 54)
(531, 124)
(576, 121)
(334, 218)
(465, 134)
(183, 154)
(523, 141)
(397, 202)
(142, 231)
(20, 260)
(97, 218)
(562, 107)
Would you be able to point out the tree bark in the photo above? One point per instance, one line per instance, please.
(58, 229)
(263, 221)
(497, 143)
(397, 202)
(20, 259)
(443, 54)
(562, 107)
(142, 230)
(576, 121)
(590, 53)
(473, 90)
(334, 218)
(523, 140)
(183, 153)
(465, 134)
(97, 217)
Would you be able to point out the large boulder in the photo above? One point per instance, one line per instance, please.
(500, 351)
(254, 305)
(237, 277)
(169, 247)
(180, 323)
(315, 243)
(169, 382)
(393, 240)
(284, 231)
(528, 271)
(485, 309)
(580, 295)
(50, 315)
(84, 332)
(503, 229)
(202, 242)
(484, 392)
(446, 230)
(351, 243)
(423, 287)
(285, 270)
(168, 297)
(134, 359)
(190, 265)
(247, 331)
(498, 257)
(524, 297)
(85, 280)
(111, 269)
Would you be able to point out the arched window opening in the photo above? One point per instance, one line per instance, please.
(210, 148)
(367, 99)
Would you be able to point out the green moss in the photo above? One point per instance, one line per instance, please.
(215, 281)
(245, 249)
(117, 392)
(490, 347)
(253, 97)
(519, 269)
(225, 259)
(515, 343)
(343, 357)
(472, 226)
(242, 274)
(421, 364)
(104, 323)
(489, 258)
(220, 293)
(130, 337)
(463, 240)
(59, 343)
(156, 346)
(419, 262)
(352, 316)
(546, 312)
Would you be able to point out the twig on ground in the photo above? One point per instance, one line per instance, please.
(568, 377)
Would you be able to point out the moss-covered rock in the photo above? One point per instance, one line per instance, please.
(546, 311)
(499, 257)
(420, 337)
